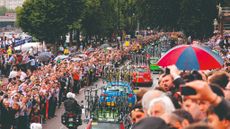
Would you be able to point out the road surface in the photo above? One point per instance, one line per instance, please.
(55, 123)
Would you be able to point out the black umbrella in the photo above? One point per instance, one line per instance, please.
(44, 56)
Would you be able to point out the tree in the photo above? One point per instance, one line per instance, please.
(102, 18)
(223, 2)
(4, 10)
(197, 17)
(49, 20)
(162, 14)
(91, 19)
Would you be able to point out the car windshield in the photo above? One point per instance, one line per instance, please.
(105, 126)
(117, 88)
(141, 70)
(153, 61)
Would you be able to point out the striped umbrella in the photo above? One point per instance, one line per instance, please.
(191, 57)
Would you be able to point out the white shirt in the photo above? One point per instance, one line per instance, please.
(23, 76)
(13, 74)
(32, 62)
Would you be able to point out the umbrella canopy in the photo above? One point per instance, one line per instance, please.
(227, 35)
(44, 56)
(61, 57)
(82, 55)
(191, 57)
(90, 49)
(76, 59)
(104, 45)
(74, 54)
(109, 48)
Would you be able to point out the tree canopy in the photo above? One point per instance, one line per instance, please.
(194, 17)
(197, 17)
(49, 20)
(4, 10)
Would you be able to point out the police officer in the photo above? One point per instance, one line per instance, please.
(72, 106)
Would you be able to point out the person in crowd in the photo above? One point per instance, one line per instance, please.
(227, 91)
(216, 121)
(8, 113)
(151, 123)
(184, 115)
(137, 114)
(175, 121)
(199, 126)
(148, 96)
(220, 78)
(140, 95)
(160, 105)
(76, 79)
(166, 83)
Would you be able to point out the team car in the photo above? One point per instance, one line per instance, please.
(103, 125)
(141, 76)
(153, 64)
(115, 91)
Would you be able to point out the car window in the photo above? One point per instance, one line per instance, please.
(141, 70)
(153, 61)
(105, 126)
(117, 88)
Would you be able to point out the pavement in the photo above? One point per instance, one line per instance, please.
(55, 123)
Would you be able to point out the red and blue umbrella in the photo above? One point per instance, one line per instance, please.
(191, 57)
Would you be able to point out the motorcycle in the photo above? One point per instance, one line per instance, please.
(71, 120)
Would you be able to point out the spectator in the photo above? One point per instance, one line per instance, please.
(159, 106)
(148, 96)
(217, 122)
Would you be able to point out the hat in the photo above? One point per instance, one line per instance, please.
(151, 123)
(70, 95)
(35, 126)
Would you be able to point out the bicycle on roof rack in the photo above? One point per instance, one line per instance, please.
(109, 104)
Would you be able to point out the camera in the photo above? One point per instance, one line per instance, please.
(186, 90)
(167, 71)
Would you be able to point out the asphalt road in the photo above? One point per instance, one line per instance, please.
(55, 123)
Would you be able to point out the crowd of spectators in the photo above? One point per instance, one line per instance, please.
(167, 107)
(35, 89)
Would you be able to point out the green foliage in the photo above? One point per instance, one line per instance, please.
(48, 20)
(105, 17)
(194, 17)
(4, 10)
(223, 2)
(161, 14)
(197, 17)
